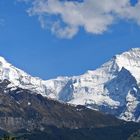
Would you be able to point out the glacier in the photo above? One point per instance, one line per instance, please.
(114, 88)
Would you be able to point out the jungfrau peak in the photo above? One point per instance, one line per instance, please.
(113, 88)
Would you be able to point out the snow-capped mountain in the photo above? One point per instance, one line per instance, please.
(113, 88)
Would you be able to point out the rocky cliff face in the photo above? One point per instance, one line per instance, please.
(21, 109)
(113, 88)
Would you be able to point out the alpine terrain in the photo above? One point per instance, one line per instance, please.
(114, 88)
(27, 115)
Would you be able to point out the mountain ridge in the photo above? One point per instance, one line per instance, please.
(31, 116)
(98, 89)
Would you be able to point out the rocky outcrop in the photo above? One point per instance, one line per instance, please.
(20, 109)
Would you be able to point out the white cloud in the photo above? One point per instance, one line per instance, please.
(94, 16)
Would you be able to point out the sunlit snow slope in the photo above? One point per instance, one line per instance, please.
(113, 88)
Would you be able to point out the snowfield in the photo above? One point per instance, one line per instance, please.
(113, 88)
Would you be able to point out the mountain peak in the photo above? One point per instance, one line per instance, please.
(130, 60)
(3, 62)
(132, 52)
(135, 49)
(98, 89)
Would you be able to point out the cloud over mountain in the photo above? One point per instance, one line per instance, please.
(65, 17)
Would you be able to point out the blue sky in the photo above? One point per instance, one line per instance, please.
(41, 53)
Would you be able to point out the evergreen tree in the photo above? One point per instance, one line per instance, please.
(7, 137)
